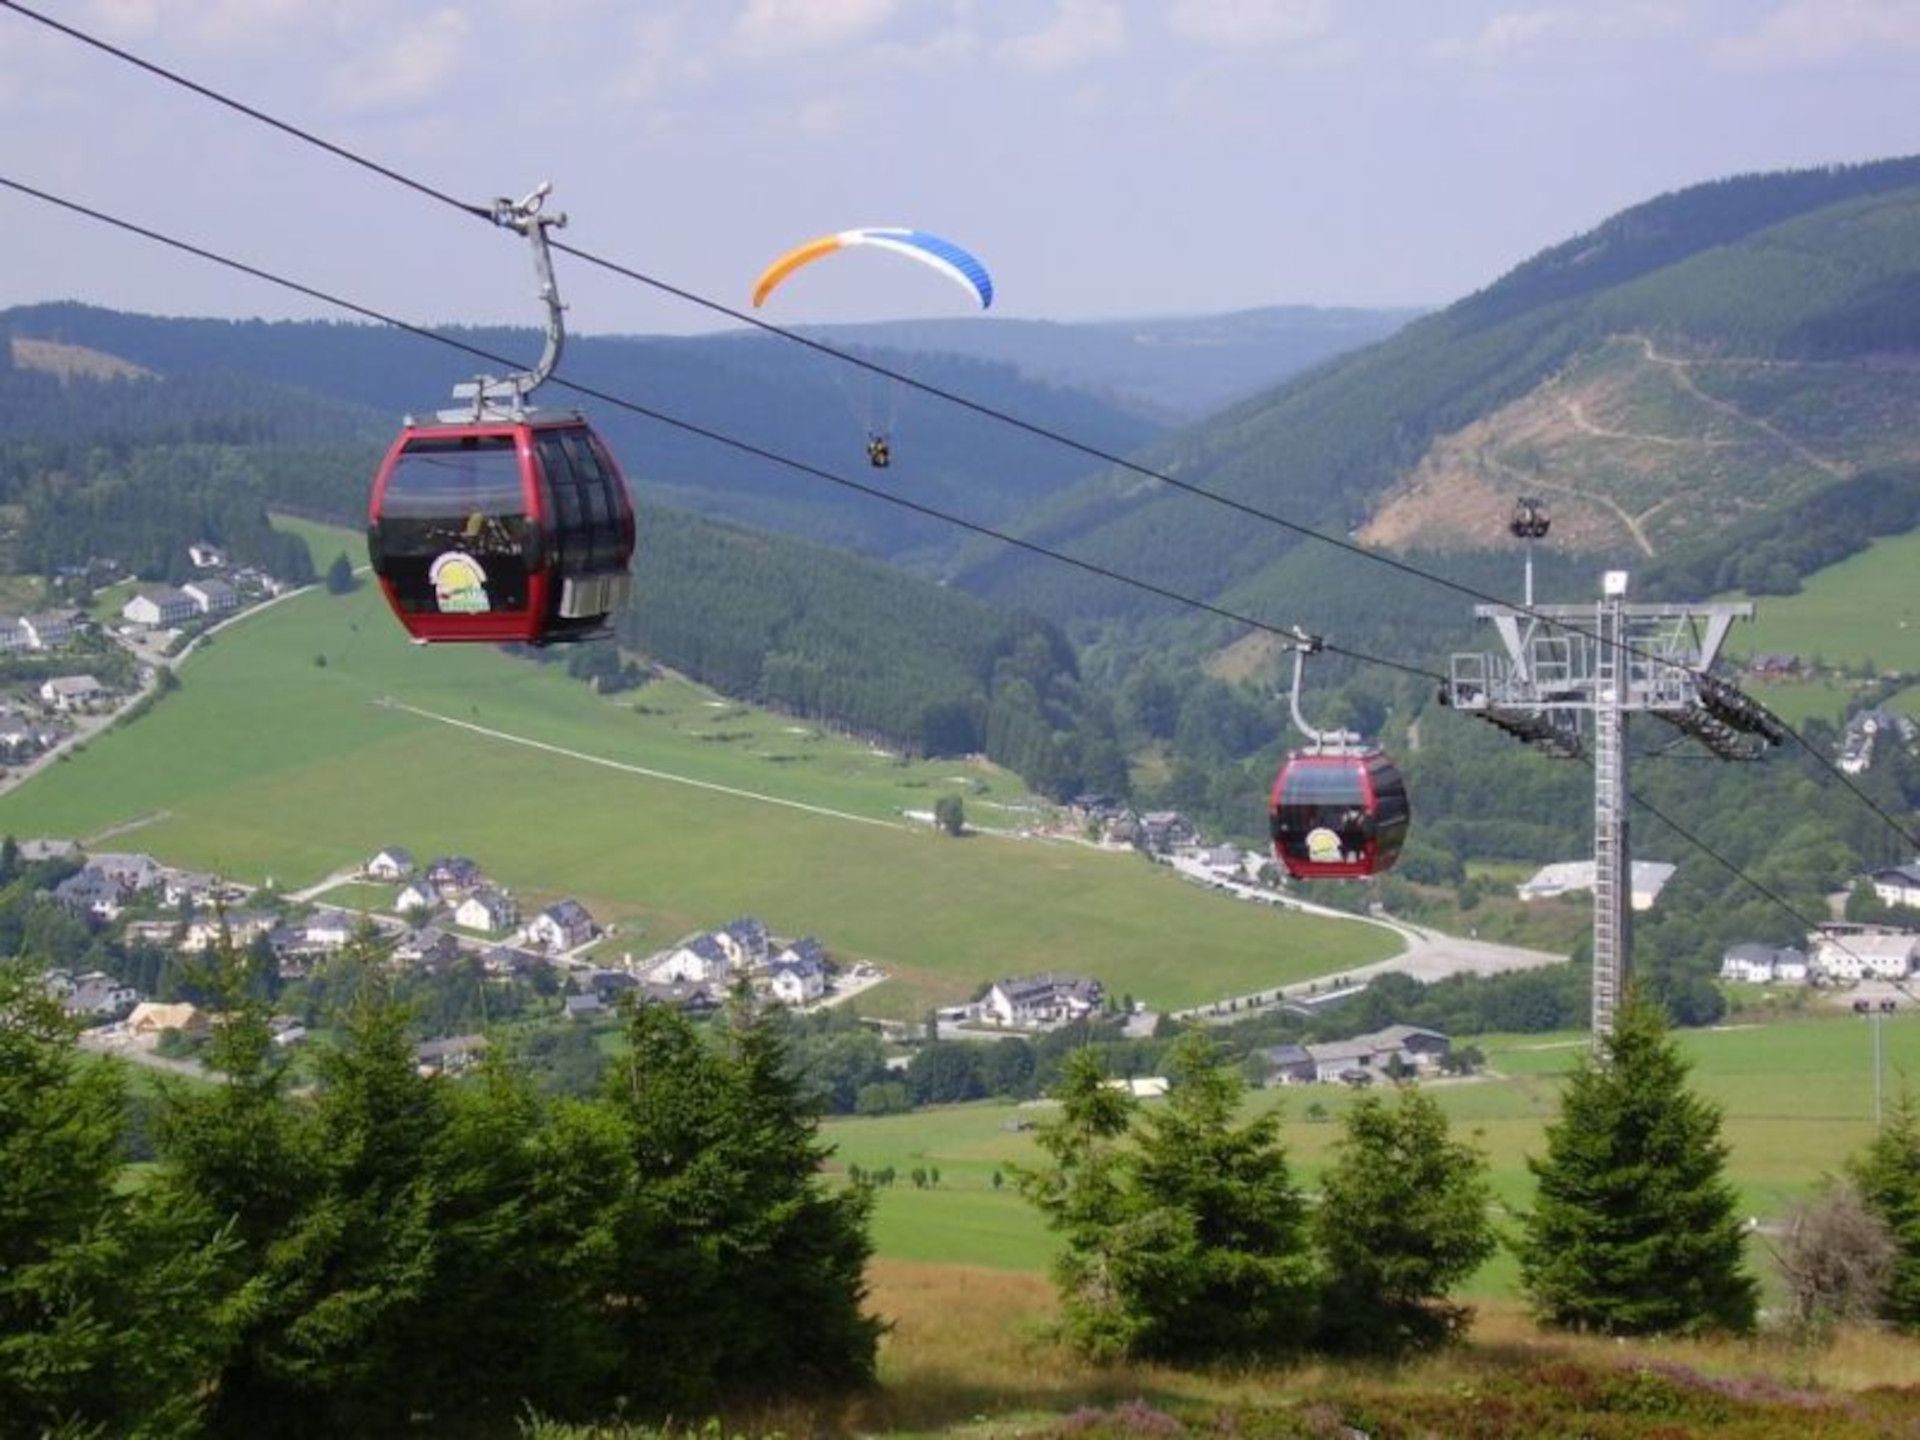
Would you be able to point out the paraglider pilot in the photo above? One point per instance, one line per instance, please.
(879, 452)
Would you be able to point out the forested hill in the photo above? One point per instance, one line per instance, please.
(1176, 368)
(757, 389)
(1723, 351)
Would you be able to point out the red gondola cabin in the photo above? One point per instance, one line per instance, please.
(1338, 816)
(514, 529)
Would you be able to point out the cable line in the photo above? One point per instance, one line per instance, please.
(718, 437)
(746, 447)
(1298, 528)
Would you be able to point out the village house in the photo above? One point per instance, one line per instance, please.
(96, 995)
(205, 556)
(1754, 964)
(1357, 1061)
(696, 961)
(505, 960)
(20, 742)
(1898, 884)
(583, 1007)
(1852, 957)
(132, 872)
(188, 887)
(1163, 831)
(211, 597)
(1649, 878)
(238, 928)
(452, 1056)
(746, 942)
(796, 977)
(1041, 1001)
(429, 947)
(416, 897)
(393, 863)
(563, 925)
(1772, 665)
(48, 630)
(91, 894)
(488, 911)
(68, 693)
(158, 606)
(610, 985)
(11, 637)
(454, 875)
(150, 1020)
(328, 929)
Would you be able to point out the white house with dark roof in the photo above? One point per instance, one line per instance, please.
(47, 630)
(96, 995)
(796, 982)
(211, 597)
(745, 940)
(697, 961)
(563, 925)
(160, 605)
(72, 692)
(1898, 884)
(1756, 964)
(416, 898)
(1055, 997)
(454, 875)
(487, 910)
(1882, 956)
(393, 863)
(1647, 879)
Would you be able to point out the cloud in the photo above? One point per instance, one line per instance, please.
(411, 67)
(771, 25)
(1251, 22)
(1080, 32)
(1517, 36)
(1806, 33)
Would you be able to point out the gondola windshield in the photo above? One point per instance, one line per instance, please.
(454, 528)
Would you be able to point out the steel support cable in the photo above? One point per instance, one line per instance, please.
(1305, 532)
(708, 433)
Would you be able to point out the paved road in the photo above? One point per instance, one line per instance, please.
(1429, 955)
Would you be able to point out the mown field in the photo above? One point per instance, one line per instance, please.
(1865, 609)
(1798, 1099)
(287, 754)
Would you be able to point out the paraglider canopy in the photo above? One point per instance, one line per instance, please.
(943, 256)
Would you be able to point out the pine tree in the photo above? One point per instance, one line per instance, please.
(105, 1322)
(1215, 1263)
(1083, 1195)
(1635, 1229)
(340, 576)
(1402, 1220)
(1192, 1244)
(1888, 1176)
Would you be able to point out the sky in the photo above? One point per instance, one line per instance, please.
(1104, 158)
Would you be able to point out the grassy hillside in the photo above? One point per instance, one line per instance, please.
(1731, 346)
(1798, 1099)
(269, 762)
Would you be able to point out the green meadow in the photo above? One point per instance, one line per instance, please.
(1797, 1096)
(304, 738)
(1864, 609)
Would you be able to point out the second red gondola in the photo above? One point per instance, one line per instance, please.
(1338, 816)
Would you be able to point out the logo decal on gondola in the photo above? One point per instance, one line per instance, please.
(1323, 845)
(459, 584)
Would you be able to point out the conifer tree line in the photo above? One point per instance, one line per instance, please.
(1185, 1238)
(390, 1252)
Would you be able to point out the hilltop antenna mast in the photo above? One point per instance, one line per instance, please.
(1621, 660)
